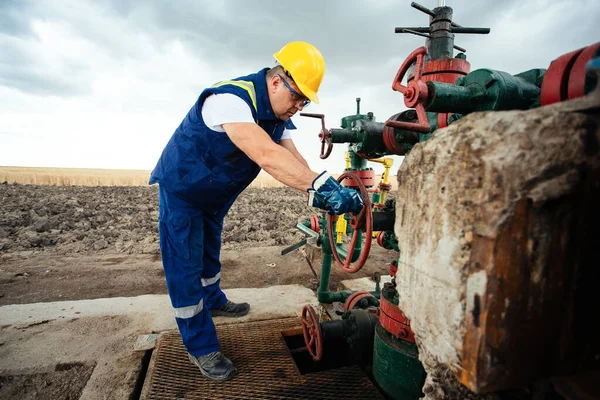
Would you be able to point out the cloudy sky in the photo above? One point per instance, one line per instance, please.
(103, 84)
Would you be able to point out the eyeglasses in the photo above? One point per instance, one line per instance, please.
(296, 96)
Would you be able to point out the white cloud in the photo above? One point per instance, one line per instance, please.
(103, 85)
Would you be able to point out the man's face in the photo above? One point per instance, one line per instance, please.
(286, 98)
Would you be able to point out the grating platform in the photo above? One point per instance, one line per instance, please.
(266, 369)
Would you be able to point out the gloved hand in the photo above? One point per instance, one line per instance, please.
(327, 194)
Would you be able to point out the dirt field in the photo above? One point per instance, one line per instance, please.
(79, 242)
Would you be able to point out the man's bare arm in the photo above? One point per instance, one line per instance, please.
(278, 161)
(289, 144)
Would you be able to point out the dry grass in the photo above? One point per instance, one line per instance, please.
(104, 177)
(74, 176)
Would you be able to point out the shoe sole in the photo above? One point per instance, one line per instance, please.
(220, 378)
(217, 313)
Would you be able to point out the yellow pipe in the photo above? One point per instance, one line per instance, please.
(387, 164)
(340, 228)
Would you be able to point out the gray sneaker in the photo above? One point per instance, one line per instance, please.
(231, 309)
(214, 366)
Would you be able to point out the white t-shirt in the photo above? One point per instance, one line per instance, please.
(219, 109)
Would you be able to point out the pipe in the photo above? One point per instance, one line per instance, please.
(307, 231)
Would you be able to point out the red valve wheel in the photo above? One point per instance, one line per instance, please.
(324, 135)
(360, 221)
(415, 93)
(353, 300)
(314, 223)
(380, 236)
(311, 329)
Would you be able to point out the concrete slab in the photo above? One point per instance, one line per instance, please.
(37, 337)
(363, 283)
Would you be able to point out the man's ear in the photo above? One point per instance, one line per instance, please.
(274, 83)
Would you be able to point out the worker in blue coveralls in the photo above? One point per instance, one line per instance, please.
(236, 128)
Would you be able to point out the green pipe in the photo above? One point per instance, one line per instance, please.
(344, 136)
(357, 162)
(306, 230)
(324, 295)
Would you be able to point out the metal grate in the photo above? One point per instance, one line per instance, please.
(266, 369)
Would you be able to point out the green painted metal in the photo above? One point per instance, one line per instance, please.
(375, 197)
(304, 227)
(389, 241)
(345, 136)
(440, 44)
(357, 163)
(324, 295)
(484, 90)
(369, 135)
(348, 121)
(396, 367)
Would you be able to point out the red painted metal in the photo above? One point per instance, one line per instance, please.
(311, 330)
(446, 70)
(364, 220)
(380, 238)
(354, 298)
(442, 120)
(324, 135)
(314, 223)
(326, 140)
(394, 321)
(556, 78)
(389, 139)
(393, 270)
(415, 93)
(385, 186)
(578, 77)
(367, 177)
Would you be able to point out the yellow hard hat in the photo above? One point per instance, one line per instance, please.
(306, 66)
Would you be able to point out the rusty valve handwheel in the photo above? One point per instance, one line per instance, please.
(353, 300)
(415, 93)
(362, 221)
(311, 329)
(324, 135)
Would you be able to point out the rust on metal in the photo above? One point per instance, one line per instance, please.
(353, 300)
(394, 321)
(266, 369)
(514, 334)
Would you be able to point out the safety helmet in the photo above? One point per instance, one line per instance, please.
(305, 64)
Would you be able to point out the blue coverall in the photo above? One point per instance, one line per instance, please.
(200, 174)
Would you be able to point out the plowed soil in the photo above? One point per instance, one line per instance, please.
(79, 242)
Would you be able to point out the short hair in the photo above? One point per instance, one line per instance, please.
(278, 69)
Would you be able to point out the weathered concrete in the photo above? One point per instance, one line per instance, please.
(487, 212)
(363, 283)
(36, 337)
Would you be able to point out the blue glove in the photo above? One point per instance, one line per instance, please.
(327, 194)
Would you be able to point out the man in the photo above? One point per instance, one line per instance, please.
(234, 129)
